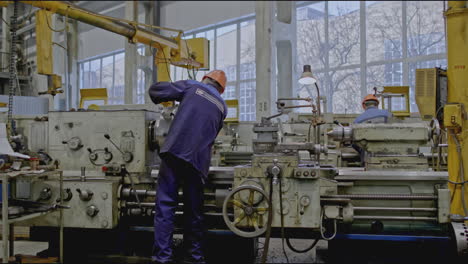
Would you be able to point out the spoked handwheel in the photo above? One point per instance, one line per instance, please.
(251, 208)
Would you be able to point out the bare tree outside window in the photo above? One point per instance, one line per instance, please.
(334, 49)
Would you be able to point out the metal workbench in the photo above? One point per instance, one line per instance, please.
(7, 224)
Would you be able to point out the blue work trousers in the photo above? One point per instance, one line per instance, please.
(172, 173)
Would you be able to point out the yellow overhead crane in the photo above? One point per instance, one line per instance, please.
(443, 95)
(455, 115)
(191, 54)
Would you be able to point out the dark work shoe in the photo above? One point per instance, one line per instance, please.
(192, 261)
(158, 262)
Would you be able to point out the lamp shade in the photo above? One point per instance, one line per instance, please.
(306, 76)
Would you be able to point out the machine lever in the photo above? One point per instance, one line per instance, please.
(108, 138)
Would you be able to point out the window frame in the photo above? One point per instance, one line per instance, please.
(238, 82)
(84, 83)
(406, 60)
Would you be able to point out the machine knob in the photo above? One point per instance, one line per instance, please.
(107, 156)
(92, 210)
(45, 194)
(127, 157)
(67, 195)
(93, 156)
(73, 143)
(85, 195)
(305, 201)
(275, 170)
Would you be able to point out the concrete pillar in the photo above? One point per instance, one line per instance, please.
(131, 13)
(74, 89)
(59, 60)
(152, 17)
(264, 57)
(285, 40)
(275, 47)
(6, 14)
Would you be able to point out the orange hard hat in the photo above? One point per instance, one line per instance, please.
(219, 76)
(369, 97)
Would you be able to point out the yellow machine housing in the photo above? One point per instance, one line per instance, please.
(233, 111)
(402, 91)
(93, 94)
(431, 91)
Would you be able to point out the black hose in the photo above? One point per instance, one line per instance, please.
(290, 246)
(269, 222)
(282, 220)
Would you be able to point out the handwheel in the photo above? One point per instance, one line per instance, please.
(251, 222)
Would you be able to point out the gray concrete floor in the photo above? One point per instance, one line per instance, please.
(276, 254)
(27, 247)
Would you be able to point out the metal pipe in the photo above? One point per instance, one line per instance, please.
(26, 29)
(294, 99)
(151, 204)
(5, 222)
(382, 196)
(83, 174)
(46, 167)
(395, 209)
(296, 106)
(348, 155)
(78, 178)
(142, 204)
(133, 32)
(127, 192)
(405, 218)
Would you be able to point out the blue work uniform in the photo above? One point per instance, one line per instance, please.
(186, 156)
(373, 115)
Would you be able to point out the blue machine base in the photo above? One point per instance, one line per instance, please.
(392, 238)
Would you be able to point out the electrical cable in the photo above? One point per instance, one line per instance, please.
(165, 60)
(282, 219)
(266, 245)
(57, 30)
(192, 68)
(318, 99)
(17, 80)
(60, 45)
(453, 182)
(290, 246)
(461, 174)
(321, 228)
(133, 186)
(4, 21)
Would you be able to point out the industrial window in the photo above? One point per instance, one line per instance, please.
(232, 49)
(355, 46)
(108, 71)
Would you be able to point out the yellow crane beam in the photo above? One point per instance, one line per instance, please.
(133, 32)
(192, 53)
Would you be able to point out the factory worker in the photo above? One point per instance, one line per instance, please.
(186, 156)
(372, 113)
